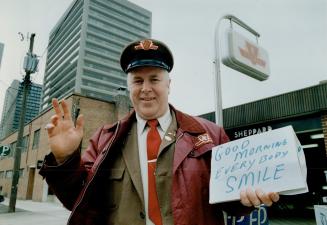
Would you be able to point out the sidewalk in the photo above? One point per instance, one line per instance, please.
(53, 213)
(33, 213)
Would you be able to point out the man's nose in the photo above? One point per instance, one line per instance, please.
(146, 86)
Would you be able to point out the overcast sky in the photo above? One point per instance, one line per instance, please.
(294, 32)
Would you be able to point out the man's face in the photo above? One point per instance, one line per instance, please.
(149, 89)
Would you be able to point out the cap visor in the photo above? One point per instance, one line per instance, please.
(147, 63)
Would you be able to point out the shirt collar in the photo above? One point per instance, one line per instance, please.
(164, 122)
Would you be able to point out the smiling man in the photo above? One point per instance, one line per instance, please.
(149, 89)
(152, 167)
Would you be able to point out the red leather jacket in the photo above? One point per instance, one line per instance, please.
(191, 172)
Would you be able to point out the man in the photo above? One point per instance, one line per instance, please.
(152, 167)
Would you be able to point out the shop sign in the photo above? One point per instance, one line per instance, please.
(246, 56)
(251, 131)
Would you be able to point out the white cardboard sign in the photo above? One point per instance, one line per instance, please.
(273, 161)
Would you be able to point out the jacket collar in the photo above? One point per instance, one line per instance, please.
(185, 122)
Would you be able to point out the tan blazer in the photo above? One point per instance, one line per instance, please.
(124, 200)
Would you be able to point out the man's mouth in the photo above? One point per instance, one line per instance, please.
(147, 98)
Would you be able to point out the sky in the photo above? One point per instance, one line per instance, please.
(294, 33)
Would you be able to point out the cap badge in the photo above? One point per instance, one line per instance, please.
(146, 45)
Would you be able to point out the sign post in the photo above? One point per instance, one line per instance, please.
(238, 60)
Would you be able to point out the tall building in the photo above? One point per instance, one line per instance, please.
(13, 106)
(85, 46)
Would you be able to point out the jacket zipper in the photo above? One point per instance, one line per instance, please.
(95, 172)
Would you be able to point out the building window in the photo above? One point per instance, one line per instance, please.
(8, 174)
(25, 143)
(36, 139)
(21, 173)
(2, 174)
(12, 148)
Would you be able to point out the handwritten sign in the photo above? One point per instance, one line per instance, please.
(273, 161)
(321, 214)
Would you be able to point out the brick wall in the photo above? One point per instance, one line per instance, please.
(96, 113)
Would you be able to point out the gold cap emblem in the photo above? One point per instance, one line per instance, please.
(146, 45)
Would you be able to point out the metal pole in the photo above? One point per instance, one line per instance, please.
(218, 92)
(19, 145)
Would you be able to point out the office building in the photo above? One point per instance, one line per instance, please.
(13, 106)
(85, 45)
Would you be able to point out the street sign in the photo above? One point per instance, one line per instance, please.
(246, 56)
(4, 150)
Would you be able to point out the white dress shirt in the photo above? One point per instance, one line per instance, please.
(142, 131)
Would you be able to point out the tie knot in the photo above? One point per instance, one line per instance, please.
(153, 123)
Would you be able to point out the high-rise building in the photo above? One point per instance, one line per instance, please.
(85, 46)
(13, 106)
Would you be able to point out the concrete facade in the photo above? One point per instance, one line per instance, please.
(31, 184)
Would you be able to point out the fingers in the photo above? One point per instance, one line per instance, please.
(64, 106)
(244, 199)
(53, 123)
(65, 111)
(49, 127)
(249, 197)
(274, 196)
(54, 120)
(267, 198)
(252, 196)
(264, 198)
(56, 108)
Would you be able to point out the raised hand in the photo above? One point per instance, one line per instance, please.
(64, 137)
